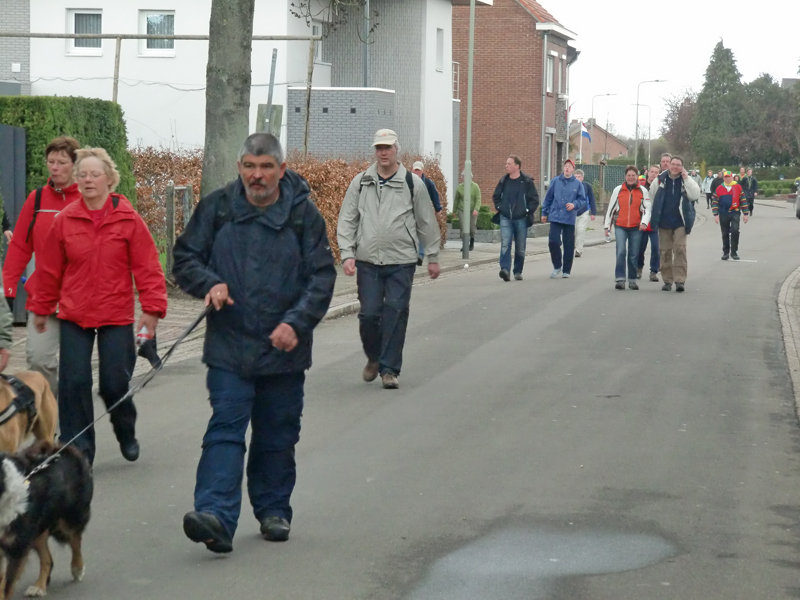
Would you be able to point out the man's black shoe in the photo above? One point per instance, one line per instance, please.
(419, 262)
(633, 285)
(130, 450)
(472, 243)
(725, 256)
(620, 285)
(734, 256)
(205, 528)
(504, 275)
(679, 287)
(275, 529)
(667, 287)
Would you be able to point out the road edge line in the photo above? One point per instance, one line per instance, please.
(790, 326)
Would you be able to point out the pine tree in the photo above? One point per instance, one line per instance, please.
(719, 108)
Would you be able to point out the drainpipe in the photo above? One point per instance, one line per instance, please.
(542, 161)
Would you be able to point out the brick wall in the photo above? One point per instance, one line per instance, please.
(507, 90)
(343, 121)
(395, 60)
(15, 15)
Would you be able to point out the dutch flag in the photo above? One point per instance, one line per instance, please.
(585, 132)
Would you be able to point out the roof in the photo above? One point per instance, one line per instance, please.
(538, 11)
(575, 129)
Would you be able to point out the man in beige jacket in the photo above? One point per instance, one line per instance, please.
(385, 215)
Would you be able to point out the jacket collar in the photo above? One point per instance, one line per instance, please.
(123, 209)
(294, 189)
(371, 176)
(67, 191)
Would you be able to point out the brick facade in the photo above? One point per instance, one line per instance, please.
(507, 91)
(16, 16)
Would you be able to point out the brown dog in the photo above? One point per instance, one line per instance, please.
(42, 426)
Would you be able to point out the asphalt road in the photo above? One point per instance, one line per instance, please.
(554, 440)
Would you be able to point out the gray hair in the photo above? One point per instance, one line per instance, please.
(263, 144)
(580, 172)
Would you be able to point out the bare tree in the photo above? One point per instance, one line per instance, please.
(228, 79)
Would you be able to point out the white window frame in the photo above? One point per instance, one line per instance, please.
(316, 29)
(440, 50)
(437, 150)
(144, 51)
(548, 159)
(73, 50)
(549, 74)
(560, 77)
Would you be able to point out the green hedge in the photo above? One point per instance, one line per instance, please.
(96, 123)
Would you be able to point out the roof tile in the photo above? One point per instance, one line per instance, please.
(538, 11)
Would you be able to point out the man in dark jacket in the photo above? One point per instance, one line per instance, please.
(749, 187)
(419, 170)
(257, 250)
(516, 199)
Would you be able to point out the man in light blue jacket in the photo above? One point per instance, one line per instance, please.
(566, 197)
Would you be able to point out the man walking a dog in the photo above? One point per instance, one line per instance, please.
(256, 249)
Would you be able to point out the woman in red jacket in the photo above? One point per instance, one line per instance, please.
(85, 269)
(30, 235)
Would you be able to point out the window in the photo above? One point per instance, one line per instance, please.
(548, 157)
(85, 21)
(549, 74)
(440, 50)
(160, 22)
(316, 29)
(437, 150)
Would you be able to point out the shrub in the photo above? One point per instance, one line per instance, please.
(768, 192)
(96, 123)
(485, 218)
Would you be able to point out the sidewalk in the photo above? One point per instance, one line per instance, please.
(183, 308)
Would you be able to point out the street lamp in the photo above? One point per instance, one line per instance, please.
(591, 141)
(465, 213)
(649, 133)
(636, 150)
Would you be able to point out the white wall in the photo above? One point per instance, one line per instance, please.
(157, 114)
(437, 88)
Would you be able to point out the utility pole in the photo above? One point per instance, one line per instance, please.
(467, 211)
(271, 87)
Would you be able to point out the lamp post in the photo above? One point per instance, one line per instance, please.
(466, 212)
(649, 134)
(636, 149)
(591, 141)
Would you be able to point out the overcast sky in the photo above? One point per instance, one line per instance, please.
(623, 42)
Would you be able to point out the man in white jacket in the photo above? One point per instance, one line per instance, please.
(385, 214)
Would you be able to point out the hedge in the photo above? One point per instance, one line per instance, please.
(96, 123)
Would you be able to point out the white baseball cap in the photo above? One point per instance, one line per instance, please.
(418, 166)
(385, 137)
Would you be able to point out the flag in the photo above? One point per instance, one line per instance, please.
(585, 132)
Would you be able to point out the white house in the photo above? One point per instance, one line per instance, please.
(162, 82)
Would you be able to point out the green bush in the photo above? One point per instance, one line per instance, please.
(96, 123)
(768, 192)
(485, 218)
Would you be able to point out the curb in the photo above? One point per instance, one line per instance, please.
(349, 308)
(790, 325)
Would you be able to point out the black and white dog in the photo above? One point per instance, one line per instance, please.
(54, 501)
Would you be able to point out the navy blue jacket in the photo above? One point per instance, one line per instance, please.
(687, 206)
(433, 193)
(271, 279)
(590, 195)
(502, 204)
(563, 191)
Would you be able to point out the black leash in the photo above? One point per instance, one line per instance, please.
(134, 390)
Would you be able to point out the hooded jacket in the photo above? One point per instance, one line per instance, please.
(22, 245)
(690, 192)
(85, 269)
(277, 271)
(383, 225)
(563, 191)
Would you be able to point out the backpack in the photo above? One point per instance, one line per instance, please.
(37, 205)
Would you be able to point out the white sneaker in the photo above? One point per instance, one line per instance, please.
(555, 273)
(565, 276)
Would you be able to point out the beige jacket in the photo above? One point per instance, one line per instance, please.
(385, 226)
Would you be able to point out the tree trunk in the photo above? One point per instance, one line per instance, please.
(228, 79)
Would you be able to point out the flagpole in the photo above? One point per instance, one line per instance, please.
(581, 142)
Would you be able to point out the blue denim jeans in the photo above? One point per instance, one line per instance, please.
(559, 231)
(385, 294)
(627, 252)
(655, 253)
(273, 404)
(516, 229)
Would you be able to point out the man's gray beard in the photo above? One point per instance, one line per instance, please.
(258, 196)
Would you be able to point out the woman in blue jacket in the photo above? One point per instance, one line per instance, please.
(566, 197)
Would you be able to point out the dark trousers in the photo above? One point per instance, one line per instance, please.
(385, 294)
(708, 199)
(273, 406)
(655, 252)
(729, 223)
(117, 353)
(559, 232)
(751, 203)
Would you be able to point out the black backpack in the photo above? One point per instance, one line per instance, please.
(37, 205)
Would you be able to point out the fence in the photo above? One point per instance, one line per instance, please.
(610, 176)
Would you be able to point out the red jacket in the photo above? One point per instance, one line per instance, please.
(86, 270)
(22, 245)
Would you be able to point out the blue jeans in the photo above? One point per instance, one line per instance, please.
(626, 236)
(655, 253)
(385, 294)
(557, 232)
(516, 229)
(274, 405)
